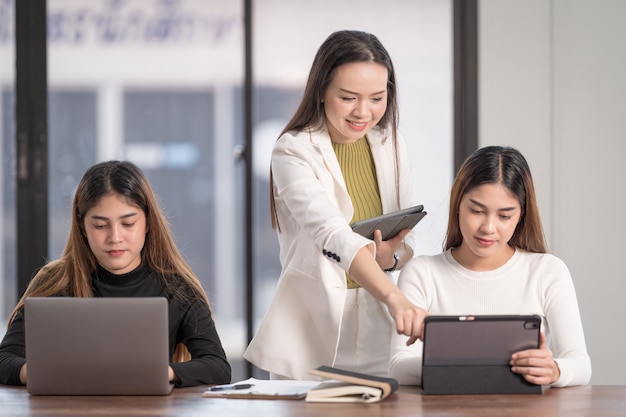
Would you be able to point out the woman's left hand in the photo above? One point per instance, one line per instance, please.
(537, 366)
(385, 249)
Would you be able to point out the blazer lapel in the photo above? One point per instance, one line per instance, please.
(385, 163)
(321, 139)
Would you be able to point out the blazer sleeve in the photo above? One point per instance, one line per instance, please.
(312, 202)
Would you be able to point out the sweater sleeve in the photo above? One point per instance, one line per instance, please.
(565, 330)
(197, 331)
(12, 352)
(405, 363)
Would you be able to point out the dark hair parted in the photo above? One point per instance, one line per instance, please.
(340, 48)
(506, 166)
(70, 275)
(343, 47)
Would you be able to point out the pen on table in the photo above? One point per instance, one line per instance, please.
(229, 387)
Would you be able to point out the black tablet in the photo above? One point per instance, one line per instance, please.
(478, 340)
(390, 224)
(471, 354)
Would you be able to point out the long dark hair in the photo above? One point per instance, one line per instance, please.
(343, 47)
(506, 166)
(340, 48)
(70, 275)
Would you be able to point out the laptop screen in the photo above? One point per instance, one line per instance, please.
(97, 346)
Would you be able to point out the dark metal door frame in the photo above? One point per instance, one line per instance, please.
(31, 136)
(465, 35)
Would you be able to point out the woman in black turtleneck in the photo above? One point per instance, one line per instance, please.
(120, 245)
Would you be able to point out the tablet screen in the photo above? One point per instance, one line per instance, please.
(478, 340)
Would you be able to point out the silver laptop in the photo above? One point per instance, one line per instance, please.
(97, 346)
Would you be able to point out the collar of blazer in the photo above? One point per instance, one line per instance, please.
(382, 152)
(320, 136)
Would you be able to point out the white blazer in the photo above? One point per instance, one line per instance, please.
(300, 330)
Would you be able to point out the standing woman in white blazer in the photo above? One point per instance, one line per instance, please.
(339, 160)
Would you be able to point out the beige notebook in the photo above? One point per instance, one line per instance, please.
(346, 386)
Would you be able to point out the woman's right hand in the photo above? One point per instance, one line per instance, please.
(408, 317)
(23, 374)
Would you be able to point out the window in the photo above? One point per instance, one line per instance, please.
(161, 83)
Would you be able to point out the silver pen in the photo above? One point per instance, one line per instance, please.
(230, 387)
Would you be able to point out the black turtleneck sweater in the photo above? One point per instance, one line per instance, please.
(190, 323)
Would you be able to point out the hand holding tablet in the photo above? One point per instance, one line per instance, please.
(390, 224)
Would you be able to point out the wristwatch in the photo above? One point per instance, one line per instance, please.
(395, 263)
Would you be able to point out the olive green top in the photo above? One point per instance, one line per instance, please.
(359, 174)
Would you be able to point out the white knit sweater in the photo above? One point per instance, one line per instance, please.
(529, 283)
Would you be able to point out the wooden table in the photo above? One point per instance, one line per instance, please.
(587, 401)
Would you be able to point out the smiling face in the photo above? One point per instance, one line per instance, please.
(355, 100)
(116, 232)
(488, 215)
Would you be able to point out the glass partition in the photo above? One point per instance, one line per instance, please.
(8, 223)
(161, 83)
(158, 83)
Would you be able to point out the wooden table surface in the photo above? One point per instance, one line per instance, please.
(588, 401)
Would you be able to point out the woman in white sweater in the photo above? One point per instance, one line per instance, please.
(495, 261)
